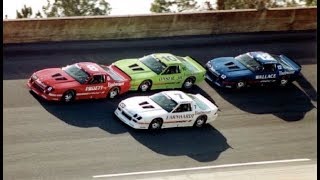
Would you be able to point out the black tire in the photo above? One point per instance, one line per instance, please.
(188, 83)
(155, 124)
(68, 96)
(145, 86)
(113, 92)
(200, 121)
(240, 84)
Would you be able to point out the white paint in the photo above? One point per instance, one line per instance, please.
(201, 168)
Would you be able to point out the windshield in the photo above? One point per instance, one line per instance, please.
(163, 101)
(113, 74)
(199, 103)
(248, 61)
(153, 64)
(77, 73)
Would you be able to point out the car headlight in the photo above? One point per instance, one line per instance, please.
(223, 76)
(209, 65)
(122, 105)
(34, 77)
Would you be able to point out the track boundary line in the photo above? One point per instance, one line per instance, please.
(201, 168)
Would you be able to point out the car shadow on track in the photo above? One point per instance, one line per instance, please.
(288, 103)
(203, 144)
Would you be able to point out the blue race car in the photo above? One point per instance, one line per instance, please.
(252, 68)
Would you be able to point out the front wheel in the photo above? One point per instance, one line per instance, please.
(200, 121)
(240, 84)
(145, 86)
(68, 96)
(188, 83)
(155, 124)
(113, 92)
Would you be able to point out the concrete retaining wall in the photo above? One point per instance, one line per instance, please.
(158, 25)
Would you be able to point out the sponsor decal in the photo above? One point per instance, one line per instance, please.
(169, 78)
(166, 78)
(267, 81)
(202, 112)
(181, 116)
(266, 76)
(115, 84)
(92, 67)
(94, 88)
(286, 72)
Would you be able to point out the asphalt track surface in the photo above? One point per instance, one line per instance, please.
(78, 141)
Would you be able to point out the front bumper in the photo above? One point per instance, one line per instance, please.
(34, 87)
(124, 116)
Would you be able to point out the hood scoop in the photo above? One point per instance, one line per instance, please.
(61, 78)
(135, 67)
(56, 75)
(146, 105)
(232, 66)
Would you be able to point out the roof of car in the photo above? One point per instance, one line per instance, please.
(178, 96)
(167, 58)
(262, 57)
(91, 68)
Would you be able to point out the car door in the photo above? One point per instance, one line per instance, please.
(171, 77)
(267, 74)
(95, 87)
(181, 116)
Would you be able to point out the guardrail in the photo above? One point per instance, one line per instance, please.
(158, 25)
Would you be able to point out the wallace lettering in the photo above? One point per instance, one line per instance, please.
(266, 76)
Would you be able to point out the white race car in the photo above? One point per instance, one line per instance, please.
(166, 109)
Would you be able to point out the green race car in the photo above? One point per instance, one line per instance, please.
(161, 71)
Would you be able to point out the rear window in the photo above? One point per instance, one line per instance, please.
(187, 64)
(199, 103)
(113, 74)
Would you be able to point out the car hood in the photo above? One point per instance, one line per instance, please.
(134, 68)
(142, 104)
(54, 76)
(227, 64)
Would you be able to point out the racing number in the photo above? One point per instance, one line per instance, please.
(170, 58)
(92, 67)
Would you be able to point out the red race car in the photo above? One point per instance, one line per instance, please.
(83, 80)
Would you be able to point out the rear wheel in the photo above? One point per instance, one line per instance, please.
(188, 83)
(155, 124)
(68, 96)
(145, 86)
(113, 92)
(284, 81)
(200, 121)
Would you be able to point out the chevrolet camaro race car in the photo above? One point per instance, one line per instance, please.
(166, 109)
(83, 80)
(252, 68)
(162, 71)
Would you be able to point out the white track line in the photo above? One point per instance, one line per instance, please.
(200, 168)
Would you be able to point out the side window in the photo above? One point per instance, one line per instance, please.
(183, 108)
(172, 70)
(97, 79)
(269, 67)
